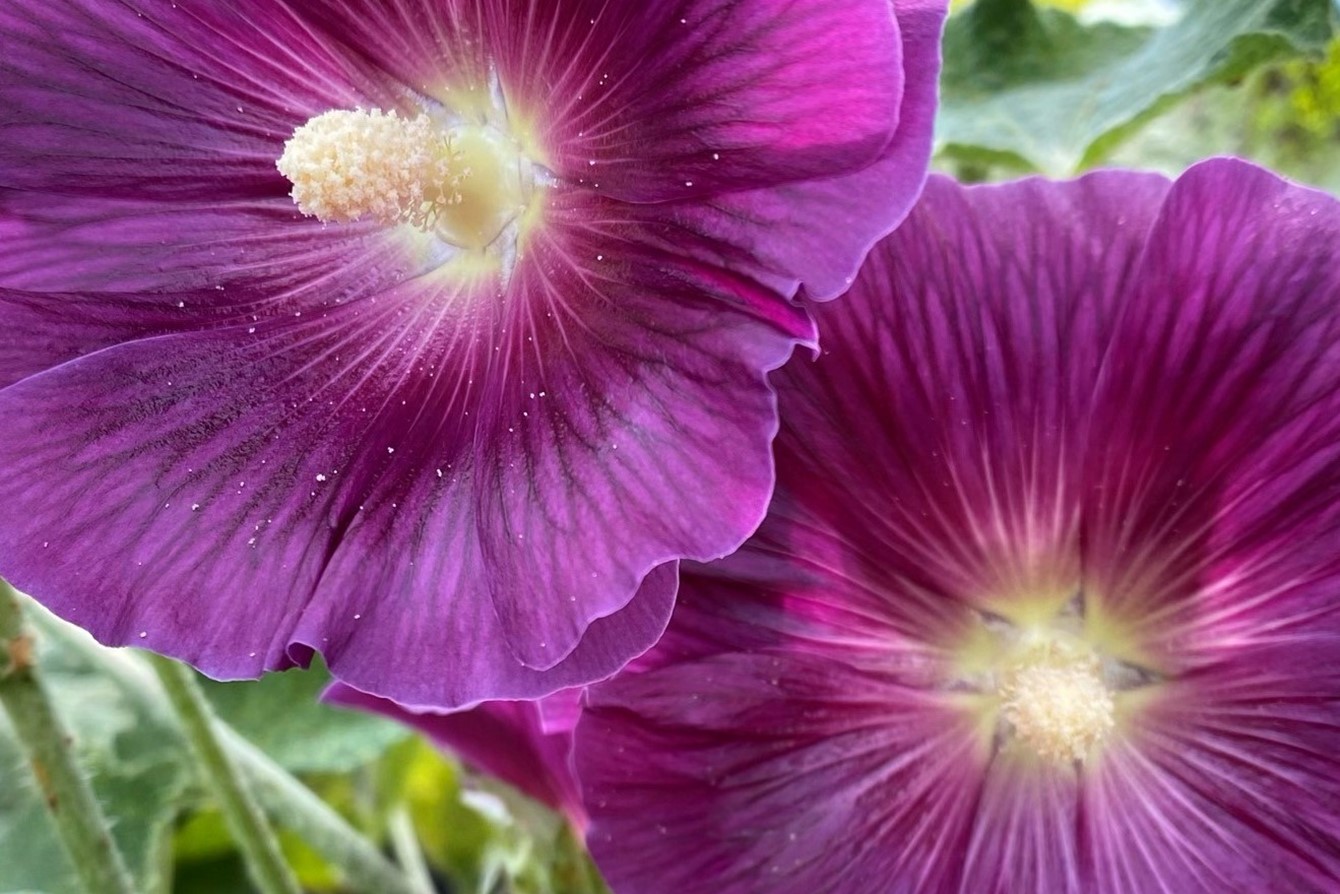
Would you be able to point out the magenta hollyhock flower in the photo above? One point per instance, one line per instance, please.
(526, 744)
(1049, 595)
(420, 332)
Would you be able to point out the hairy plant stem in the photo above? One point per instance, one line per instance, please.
(46, 744)
(251, 830)
(284, 798)
(295, 807)
(405, 843)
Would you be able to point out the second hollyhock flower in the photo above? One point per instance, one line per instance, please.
(1048, 599)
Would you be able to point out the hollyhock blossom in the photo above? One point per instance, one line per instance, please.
(1049, 595)
(526, 744)
(420, 332)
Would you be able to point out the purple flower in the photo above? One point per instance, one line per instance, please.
(1049, 595)
(499, 361)
(526, 744)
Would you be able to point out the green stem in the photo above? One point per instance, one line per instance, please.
(286, 800)
(78, 818)
(254, 837)
(295, 807)
(405, 843)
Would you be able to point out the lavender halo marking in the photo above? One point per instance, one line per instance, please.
(451, 413)
(1048, 598)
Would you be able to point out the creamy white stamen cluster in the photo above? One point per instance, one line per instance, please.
(346, 166)
(1056, 701)
(461, 182)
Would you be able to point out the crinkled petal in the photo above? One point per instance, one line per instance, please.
(479, 475)
(506, 740)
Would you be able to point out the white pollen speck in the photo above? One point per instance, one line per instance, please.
(358, 617)
(251, 654)
(144, 634)
(716, 156)
(600, 257)
(195, 507)
(320, 476)
(688, 182)
(390, 450)
(181, 303)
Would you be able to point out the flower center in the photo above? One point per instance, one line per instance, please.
(1055, 700)
(462, 182)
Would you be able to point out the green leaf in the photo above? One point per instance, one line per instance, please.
(1285, 117)
(1036, 88)
(280, 713)
(126, 743)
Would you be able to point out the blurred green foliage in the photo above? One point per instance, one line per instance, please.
(1286, 117)
(477, 836)
(1032, 88)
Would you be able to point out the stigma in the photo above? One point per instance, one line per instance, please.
(1056, 702)
(465, 183)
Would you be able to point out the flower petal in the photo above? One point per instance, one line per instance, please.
(72, 285)
(844, 781)
(529, 421)
(759, 125)
(1238, 796)
(1237, 305)
(1024, 831)
(637, 97)
(184, 101)
(816, 232)
(479, 474)
(991, 310)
